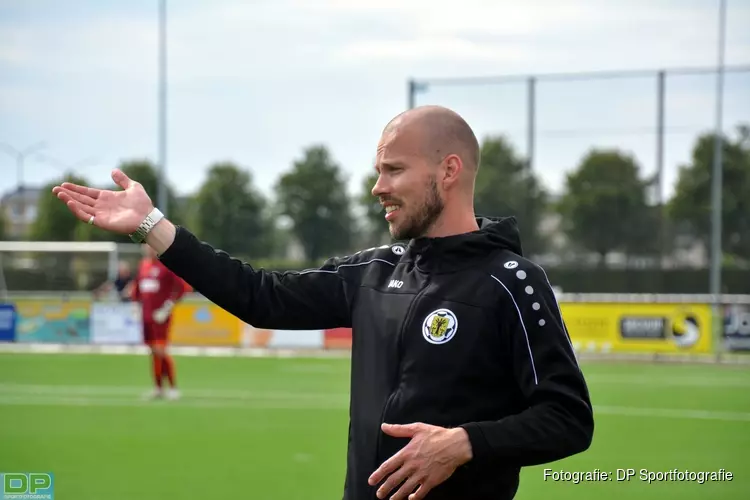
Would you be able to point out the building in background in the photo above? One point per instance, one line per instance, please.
(19, 209)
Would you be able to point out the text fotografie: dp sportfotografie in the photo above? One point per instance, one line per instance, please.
(643, 475)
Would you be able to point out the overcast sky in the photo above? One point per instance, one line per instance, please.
(256, 82)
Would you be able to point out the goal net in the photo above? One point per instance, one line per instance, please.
(61, 267)
(55, 288)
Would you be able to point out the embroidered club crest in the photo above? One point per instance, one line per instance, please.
(439, 326)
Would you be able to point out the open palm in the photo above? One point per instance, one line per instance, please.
(117, 211)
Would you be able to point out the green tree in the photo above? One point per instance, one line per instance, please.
(3, 226)
(375, 225)
(313, 195)
(690, 208)
(506, 186)
(229, 212)
(54, 221)
(604, 206)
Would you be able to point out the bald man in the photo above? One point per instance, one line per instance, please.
(427, 162)
(462, 369)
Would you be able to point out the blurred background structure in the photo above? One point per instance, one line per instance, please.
(618, 135)
(608, 168)
(632, 211)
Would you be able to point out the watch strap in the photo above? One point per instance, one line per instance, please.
(139, 235)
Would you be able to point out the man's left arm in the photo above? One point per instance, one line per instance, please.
(558, 421)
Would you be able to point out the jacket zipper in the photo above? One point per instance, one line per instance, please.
(394, 390)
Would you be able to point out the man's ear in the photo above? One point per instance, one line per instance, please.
(452, 169)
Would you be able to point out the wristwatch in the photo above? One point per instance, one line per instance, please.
(139, 236)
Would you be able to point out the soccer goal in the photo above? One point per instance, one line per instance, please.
(69, 268)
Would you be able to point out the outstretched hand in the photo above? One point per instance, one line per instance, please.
(431, 457)
(116, 211)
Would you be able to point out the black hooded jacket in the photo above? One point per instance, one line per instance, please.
(455, 331)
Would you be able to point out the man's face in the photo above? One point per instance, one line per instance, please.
(407, 185)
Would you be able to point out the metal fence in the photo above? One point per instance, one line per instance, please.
(656, 116)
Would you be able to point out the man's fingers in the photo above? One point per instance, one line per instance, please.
(424, 488)
(83, 213)
(120, 178)
(87, 191)
(386, 468)
(406, 488)
(394, 480)
(394, 430)
(66, 197)
(80, 210)
(78, 197)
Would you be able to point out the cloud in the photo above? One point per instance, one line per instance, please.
(475, 31)
(438, 48)
(11, 54)
(230, 40)
(116, 46)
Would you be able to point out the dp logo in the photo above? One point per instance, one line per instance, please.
(37, 485)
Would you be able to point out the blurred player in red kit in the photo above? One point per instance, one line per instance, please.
(158, 290)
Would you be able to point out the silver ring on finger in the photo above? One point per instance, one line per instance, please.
(91, 221)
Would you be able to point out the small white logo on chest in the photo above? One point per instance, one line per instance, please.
(395, 284)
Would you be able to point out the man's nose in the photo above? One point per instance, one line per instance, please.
(379, 189)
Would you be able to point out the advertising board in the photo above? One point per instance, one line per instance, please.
(639, 327)
(116, 323)
(204, 324)
(7, 323)
(52, 321)
(736, 331)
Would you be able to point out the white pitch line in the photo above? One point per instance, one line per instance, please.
(50, 395)
(676, 381)
(109, 390)
(629, 411)
(182, 403)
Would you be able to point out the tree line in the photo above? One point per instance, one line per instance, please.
(606, 205)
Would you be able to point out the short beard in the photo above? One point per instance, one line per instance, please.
(422, 221)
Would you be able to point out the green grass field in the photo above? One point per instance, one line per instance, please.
(276, 429)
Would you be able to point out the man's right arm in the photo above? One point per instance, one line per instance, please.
(312, 299)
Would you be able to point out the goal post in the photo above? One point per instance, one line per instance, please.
(39, 267)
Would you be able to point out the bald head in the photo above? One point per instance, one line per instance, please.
(441, 132)
(427, 162)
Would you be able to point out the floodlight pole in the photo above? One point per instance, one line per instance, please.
(162, 120)
(67, 168)
(717, 180)
(20, 157)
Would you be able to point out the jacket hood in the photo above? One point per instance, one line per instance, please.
(449, 253)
